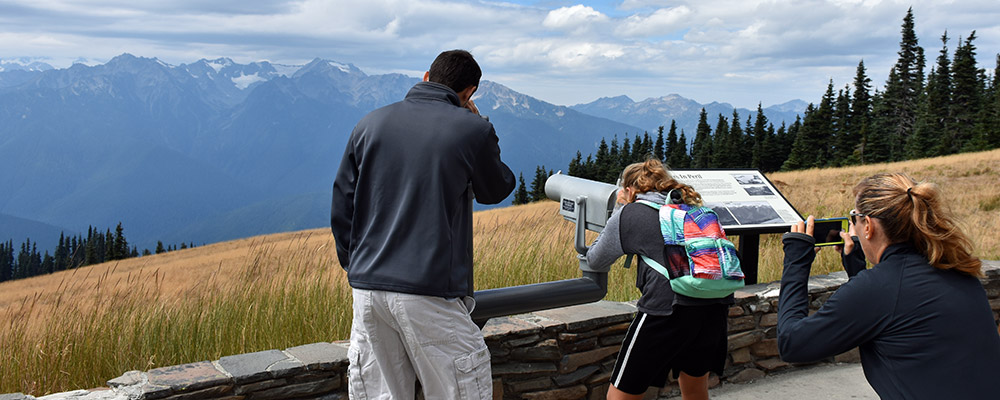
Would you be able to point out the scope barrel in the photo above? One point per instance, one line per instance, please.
(513, 300)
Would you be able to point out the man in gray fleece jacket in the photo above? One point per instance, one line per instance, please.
(402, 220)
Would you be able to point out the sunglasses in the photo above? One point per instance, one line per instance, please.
(855, 213)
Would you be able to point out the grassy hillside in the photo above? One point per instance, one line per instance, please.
(76, 329)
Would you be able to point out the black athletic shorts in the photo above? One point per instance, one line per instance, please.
(692, 340)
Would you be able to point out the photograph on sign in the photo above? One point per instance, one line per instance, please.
(743, 199)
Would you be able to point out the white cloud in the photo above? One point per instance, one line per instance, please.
(576, 19)
(709, 49)
(660, 22)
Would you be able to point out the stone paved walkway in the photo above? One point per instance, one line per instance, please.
(820, 382)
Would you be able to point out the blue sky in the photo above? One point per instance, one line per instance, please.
(564, 52)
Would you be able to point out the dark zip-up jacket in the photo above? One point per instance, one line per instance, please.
(401, 214)
(923, 332)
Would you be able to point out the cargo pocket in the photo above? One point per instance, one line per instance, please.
(355, 376)
(473, 374)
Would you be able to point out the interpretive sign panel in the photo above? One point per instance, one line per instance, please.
(744, 199)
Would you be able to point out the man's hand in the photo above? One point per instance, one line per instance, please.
(471, 105)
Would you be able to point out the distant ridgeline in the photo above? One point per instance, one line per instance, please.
(72, 252)
(952, 109)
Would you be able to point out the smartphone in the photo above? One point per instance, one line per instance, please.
(826, 231)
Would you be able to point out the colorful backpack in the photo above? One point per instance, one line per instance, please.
(713, 266)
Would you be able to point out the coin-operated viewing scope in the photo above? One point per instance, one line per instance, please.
(585, 202)
(588, 204)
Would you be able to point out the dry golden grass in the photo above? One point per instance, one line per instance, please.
(76, 329)
(969, 182)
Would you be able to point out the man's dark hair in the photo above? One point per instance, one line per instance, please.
(455, 69)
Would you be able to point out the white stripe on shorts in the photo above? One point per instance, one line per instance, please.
(635, 335)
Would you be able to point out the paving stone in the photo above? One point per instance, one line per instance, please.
(575, 392)
(203, 394)
(15, 396)
(257, 366)
(743, 339)
(741, 355)
(765, 348)
(747, 375)
(576, 376)
(547, 350)
(523, 368)
(530, 385)
(769, 320)
(506, 326)
(615, 340)
(186, 377)
(130, 378)
(590, 316)
(772, 364)
(322, 356)
(307, 389)
(571, 362)
(743, 323)
(258, 386)
(736, 311)
(523, 341)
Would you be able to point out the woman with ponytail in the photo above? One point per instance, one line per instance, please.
(920, 316)
(671, 332)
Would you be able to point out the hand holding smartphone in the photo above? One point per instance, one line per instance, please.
(826, 231)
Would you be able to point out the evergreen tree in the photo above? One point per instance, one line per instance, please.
(625, 156)
(903, 90)
(734, 141)
(122, 250)
(680, 158)
(614, 162)
(771, 156)
(658, 146)
(861, 114)
(159, 247)
(807, 143)
(932, 135)
(701, 149)
(645, 150)
(988, 129)
(759, 137)
(603, 163)
(48, 264)
(61, 259)
(521, 195)
(5, 263)
(538, 184)
(575, 166)
(110, 251)
(876, 141)
(670, 145)
(968, 86)
(840, 130)
(723, 154)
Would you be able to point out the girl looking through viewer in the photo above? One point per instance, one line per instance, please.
(920, 316)
(670, 332)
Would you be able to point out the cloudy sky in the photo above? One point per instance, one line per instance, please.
(564, 52)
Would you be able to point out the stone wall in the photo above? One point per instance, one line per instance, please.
(565, 353)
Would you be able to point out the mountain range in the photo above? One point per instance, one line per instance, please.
(216, 150)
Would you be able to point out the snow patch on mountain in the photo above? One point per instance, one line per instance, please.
(244, 81)
(285, 69)
(343, 67)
